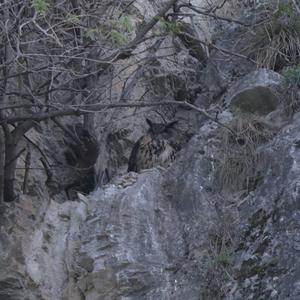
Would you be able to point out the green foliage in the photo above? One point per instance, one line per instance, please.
(117, 30)
(125, 24)
(92, 33)
(285, 9)
(172, 28)
(72, 18)
(121, 28)
(117, 38)
(292, 84)
(292, 74)
(287, 15)
(40, 6)
(224, 258)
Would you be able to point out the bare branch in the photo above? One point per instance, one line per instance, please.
(78, 110)
(296, 6)
(208, 14)
(220, 48)
(127, 51)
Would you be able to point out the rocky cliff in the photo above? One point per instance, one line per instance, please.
(221, 221)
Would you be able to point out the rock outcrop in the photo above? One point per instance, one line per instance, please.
(256, 93)
(169, 232)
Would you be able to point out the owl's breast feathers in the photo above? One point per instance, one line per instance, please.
(150, 151)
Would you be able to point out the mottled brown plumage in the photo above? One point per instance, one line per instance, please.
(154, 148)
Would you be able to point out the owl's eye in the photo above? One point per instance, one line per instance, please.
(241, 141)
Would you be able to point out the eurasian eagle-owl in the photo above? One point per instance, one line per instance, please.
(157, 147)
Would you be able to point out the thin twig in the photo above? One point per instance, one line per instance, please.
(296, 7)
(203, 112)
(27, 167)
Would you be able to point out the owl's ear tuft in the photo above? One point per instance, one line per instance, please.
(149, 123)
(171, 124)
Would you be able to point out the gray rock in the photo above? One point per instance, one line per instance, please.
(144, 238)
(257, 92)
(196, 49)
(164, 234)
(222, 68)
(267, 262)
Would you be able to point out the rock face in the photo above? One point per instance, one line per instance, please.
(137, 237)
(267, 257)
(167, 233)
(257, 92)
(149, 236)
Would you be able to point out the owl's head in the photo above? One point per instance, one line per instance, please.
(159, 128)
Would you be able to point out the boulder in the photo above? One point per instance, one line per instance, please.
(257, 92)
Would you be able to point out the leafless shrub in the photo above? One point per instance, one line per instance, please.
(240, 163)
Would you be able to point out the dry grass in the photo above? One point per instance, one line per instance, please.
(292, 103)
(276, 42)
(241, 164)
(292, 85)
(220, 259)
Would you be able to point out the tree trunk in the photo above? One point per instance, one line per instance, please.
(10, 167)
(2, 164)
(12, 152)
